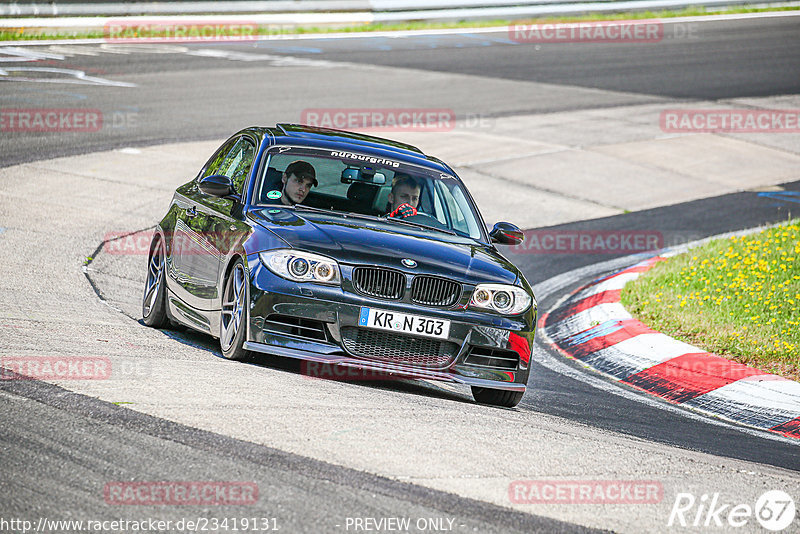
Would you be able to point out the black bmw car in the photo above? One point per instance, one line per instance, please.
(322, 265)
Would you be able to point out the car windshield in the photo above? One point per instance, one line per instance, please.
(355, 183)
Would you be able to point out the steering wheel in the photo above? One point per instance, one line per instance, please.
(423, 215)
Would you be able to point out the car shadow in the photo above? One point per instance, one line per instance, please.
(422, 388)
(401, 385)
(187, 336)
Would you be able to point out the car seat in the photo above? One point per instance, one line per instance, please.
(272, 181)
(362, 196)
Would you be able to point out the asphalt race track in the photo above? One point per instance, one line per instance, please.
(322, 453)
(197, 94)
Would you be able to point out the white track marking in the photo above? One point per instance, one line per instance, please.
(766, 398)
(643, 351)
(609, 311)
(70, 76)
(17, 54)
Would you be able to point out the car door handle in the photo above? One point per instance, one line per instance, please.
(191, 212)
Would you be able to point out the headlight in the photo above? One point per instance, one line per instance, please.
(302, 266)
(501, 298)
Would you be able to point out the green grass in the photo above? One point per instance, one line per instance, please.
(27, 34)
(738, 298)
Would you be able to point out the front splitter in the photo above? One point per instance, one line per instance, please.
(380, 367)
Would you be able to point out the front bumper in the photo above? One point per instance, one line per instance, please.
(334, 310)
(376, 369)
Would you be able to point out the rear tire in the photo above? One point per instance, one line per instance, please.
(233, 322)
(154, 305)
(497, 397)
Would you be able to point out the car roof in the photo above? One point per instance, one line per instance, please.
(312, 136)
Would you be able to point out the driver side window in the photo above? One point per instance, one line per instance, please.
(456, 206)
(238, 162)
(217, 160)
(233, 160)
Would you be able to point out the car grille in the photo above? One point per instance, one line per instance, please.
(377, 282)
(388, 347)
(431, 291)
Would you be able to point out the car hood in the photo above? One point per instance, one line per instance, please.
(358, 241)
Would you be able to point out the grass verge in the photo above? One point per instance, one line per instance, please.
(738, 298)
(30, 34)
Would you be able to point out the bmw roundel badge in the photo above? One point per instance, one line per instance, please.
(409, 263)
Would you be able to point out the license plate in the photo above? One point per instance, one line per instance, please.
(404, 323)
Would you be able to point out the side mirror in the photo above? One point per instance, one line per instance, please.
(217, 185)
(506, 234)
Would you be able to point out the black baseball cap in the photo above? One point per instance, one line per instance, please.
(302, 169)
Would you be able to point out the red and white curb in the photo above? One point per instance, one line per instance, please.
(592, 326)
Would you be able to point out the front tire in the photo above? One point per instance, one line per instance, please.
(154, 305)
(233, 323)
(497, 397)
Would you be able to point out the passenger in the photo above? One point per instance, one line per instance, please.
(298, 179)
(404, 197)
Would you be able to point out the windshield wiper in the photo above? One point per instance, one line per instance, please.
(338, 212)
(420, 225)
(312, 208)
(376, 218)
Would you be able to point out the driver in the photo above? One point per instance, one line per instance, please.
(298, 179)
(404, 197)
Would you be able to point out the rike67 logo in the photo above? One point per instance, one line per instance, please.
(774, 510)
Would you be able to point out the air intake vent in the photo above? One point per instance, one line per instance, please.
(377, 282)
(295, 326)
(492, 358)
(431, 291)
(388, 347)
